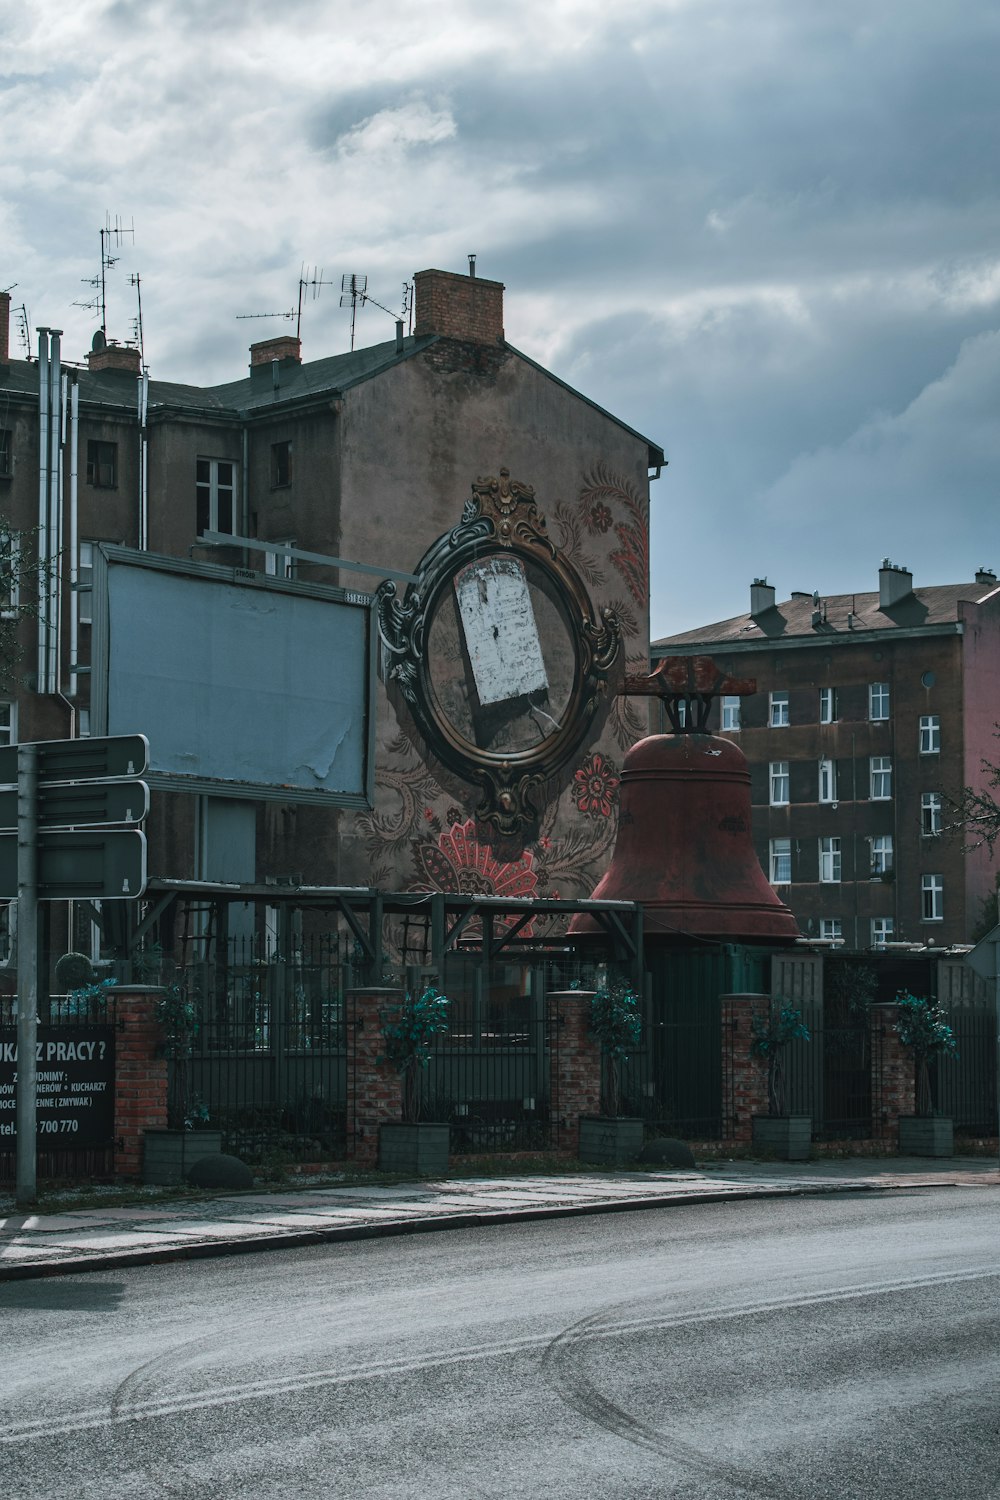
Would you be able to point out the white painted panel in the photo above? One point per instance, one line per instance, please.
(500, 630)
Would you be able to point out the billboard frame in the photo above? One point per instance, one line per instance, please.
(108, 555)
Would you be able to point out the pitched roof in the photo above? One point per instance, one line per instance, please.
(842, 614)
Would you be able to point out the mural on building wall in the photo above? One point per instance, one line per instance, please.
(426, 831)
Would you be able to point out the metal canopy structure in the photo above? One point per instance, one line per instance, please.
(501, 920)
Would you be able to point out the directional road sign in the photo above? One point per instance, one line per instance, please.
(84, 803)
(102, 865)
(88, 759)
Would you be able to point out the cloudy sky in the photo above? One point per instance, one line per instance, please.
(766, 233)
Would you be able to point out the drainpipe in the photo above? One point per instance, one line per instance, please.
(43, 503)
(74, 535)
(55, 509)
(143, 463)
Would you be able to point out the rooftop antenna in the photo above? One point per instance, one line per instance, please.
(353, 289)
(24, 329)
(136, 281)
(316, 281)
(112, 236)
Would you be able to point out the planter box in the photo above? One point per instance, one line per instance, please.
(605, 1142)
(167, 1154)
(786, 1136)
(421, 1149)
(930, 1136)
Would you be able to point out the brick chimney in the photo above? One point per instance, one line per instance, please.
(4, 328)
(458, 307)
(894, 583)
(115, 357)
(986, 576)
(761, 597)
(268, 350)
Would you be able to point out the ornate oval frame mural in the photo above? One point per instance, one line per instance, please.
(497, 652)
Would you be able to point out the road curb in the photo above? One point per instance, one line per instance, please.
(475, 1219)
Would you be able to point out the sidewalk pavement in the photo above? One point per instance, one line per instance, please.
(113, 1237)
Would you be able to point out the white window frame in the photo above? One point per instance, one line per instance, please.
(828, 705)
(10, 553)
(8, 721)
(731, 714)
(778, 712)
(930, 813)
(883, 931)
(279, 564)
(880, 778)
(878, 702)
(831, 928)
(930, 734)
(932, 898)
(778, 782)
(881, 854)
(828, 781)
(780, 860)
(830, 860)
(215, 489)
(85, 575)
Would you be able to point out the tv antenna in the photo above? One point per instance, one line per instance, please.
(354, 290)
(316, 281)
(112, 237)
(24, 329)
(136, 281)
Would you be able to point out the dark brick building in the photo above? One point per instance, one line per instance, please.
(873, 711)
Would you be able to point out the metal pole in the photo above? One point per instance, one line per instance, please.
(27, 970)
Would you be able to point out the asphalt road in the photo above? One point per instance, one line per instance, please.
(842, 1347)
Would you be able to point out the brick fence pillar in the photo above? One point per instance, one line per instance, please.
(140, 1074)
(576, 1064)
(893, 1075)
(374, 1093)
(744, 1078)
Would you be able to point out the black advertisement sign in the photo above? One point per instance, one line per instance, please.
(75, 1086)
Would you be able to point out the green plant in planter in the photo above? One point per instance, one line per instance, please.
(408, 1032)
(615, 1022)
(771, 1034)
(177, 1013)
(921, 1026)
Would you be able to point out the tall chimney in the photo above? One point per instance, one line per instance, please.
(894, 583)
(458, 307)
(761, 597)
(4, 328)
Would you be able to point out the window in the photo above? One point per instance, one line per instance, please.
(828, 781)
(281, 465)
(85, 582)
(8, 723)
(779, 783)
(930, 812)
(828, 705)
(831, 927)
(216, 491)
(102, 465)
(930, 735)
(880, 778)
(10, 551)
(781, 861)
(932, 897)
(881, 845)
(779, 710)
(731, 713)
(878, 701)
(829, 861)
(8, 930)
(882, 931)
(278, 565)
(6, 458)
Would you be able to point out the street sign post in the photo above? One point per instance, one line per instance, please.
(61, 839)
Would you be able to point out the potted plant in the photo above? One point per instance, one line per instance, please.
(921, 1026)
(167, 1154)
(610, 1139)
(788, 1136)
(408, 1032)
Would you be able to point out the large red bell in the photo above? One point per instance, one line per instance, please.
(684, 847)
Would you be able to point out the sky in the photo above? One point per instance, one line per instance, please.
(765, 233)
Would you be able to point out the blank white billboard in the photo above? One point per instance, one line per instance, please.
(244, 685)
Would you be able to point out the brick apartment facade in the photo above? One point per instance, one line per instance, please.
(873, 711)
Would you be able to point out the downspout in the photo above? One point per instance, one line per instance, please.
(245, 487)
(43, 504)
(143, 463)
(74, 535)
(55, 539)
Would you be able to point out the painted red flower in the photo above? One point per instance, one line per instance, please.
(595, 785)
(459, 864)
(600, 518)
